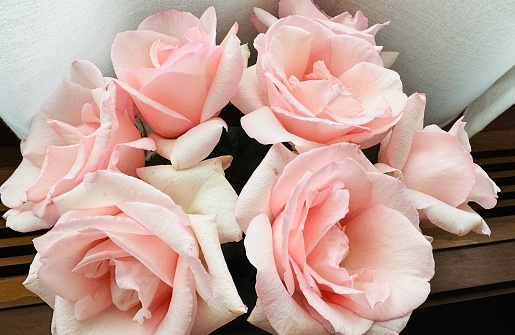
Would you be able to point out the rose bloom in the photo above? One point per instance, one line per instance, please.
(313, 87)
(125, 259)
(438, 170)
(343, 23)
(335, 243)
(175, 72)
(86, 125)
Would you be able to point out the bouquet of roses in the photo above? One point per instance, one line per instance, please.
(148, 182)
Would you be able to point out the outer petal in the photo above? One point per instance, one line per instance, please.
(484, 191)
(227, 77)
(91, 192)
(131, 48)
(173, 233)
(13, 190)
(341, 320)
(388, 58)
(395, 149)
(183, 304)
(282, 311)
(34, 284)
(370, 81)
(392, 327)
(85, 73)
(318, 159)
(199, 190)
(262, 20)
(439, 166)
(253, 124)
(300, 7)
(347, 51)
(127, 157)
(26, 221)
(69, 97)
(158, 115)
(392, 193)
(383, 239)
(171, 22)
(250, 95)
(254, 199)
(449, 218)
(458, 130)
(196, 144)
(258, 318)
(110, 322)
(226, 304)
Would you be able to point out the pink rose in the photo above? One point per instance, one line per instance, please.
(335, 243)
(175, 72)
(125, 259)
(85, 126)
(438, 170)
(313, 87)
(343, 23)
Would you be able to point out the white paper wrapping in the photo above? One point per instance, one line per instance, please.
(453, 51)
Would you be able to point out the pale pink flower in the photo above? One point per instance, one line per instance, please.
(335, 243)
(343, 23)
(177, 75)
(85, 126)
(437, 168)
(125, 259)
(313, 87)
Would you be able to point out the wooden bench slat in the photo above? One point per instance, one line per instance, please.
(14, 294)
(7, 261)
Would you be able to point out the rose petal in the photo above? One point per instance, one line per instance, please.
(391, 327)
(91, 192)
(282, 311)
(250, 96)
(171, 22)
(130, 49)
(258, 318)
(174, 234)
(318, 159)
(449, 218)
(86, 74)
(158, 115)
(254, 199)
(199, 190)
(342, 321)
(111, 321)
(383, 239)
(224, 84)
(392, 193)
(369, 81)
(127, 157)
(262, 20)
(25, 221)
(439, 166)
(276, 133)
(196, 144)
(13, 189)
(183, 304)
(395, 150)
(484, 191)
(300, 7)
(347, 51)
(388, 58)
(226, 304)
(69, 97)
(34, 284)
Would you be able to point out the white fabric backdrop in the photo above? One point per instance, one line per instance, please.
(452, 50)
